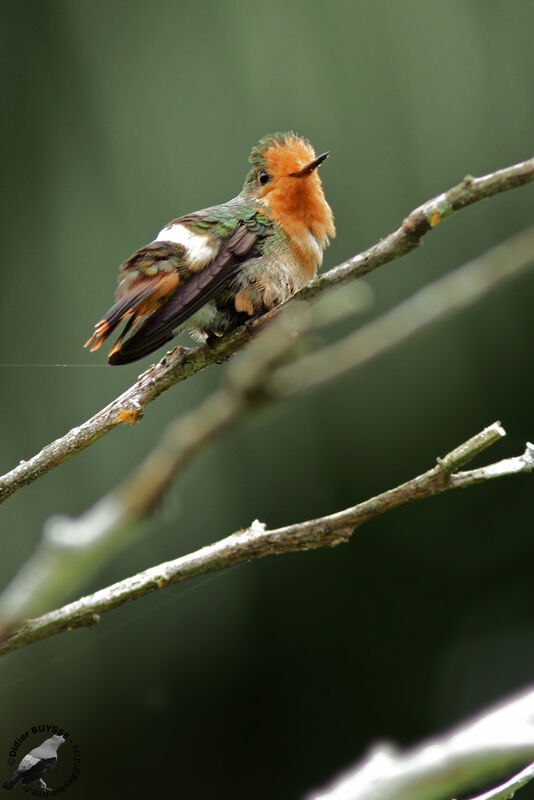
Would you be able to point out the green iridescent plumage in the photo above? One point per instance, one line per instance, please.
(257, 155)
(221, 221)
(213, 269)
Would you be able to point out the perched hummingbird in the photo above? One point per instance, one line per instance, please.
(211, 270)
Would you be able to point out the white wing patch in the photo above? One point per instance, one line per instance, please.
(200, 248)
(27, 763)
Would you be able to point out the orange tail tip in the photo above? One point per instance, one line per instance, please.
(142, 299)
(116, 347)
(96, 340)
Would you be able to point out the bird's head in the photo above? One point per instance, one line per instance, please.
(284, 179)
(56, 740)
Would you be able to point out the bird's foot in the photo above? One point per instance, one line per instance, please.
(211, 340)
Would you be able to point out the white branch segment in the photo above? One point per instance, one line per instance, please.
(508, 789)
(475, 753)
(507, 466)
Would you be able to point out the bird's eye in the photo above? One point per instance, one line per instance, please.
(264, 177)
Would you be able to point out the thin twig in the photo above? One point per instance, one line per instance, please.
(508, 789)
(257, 542)
(71, 549)
(475, 753)
(425, 217)
(181, 363)
(465, 285)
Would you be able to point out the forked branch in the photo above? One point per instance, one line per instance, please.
(254, 542)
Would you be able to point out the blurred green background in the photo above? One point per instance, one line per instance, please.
(269, 679)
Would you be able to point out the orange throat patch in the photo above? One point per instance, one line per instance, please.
(298, 203)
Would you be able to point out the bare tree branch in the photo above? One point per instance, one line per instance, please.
(509, 788)
(254, 542)
(432, 303)
(425, 217)
(181, 363)
(71, 549)
(476, 752)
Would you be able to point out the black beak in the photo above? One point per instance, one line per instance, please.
(308, 169)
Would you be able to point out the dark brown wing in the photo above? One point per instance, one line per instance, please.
(160, 326)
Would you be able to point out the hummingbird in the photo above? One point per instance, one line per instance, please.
(209, 271)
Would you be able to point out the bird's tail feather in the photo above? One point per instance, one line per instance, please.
(12, 782)
(134, 302)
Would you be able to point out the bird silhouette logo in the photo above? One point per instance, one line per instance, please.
(36, 764)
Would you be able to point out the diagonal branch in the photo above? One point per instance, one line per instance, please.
(181, 363)
(257, 541)
(71, 549)
(425, 217)
(508, 789)
(475, 753)
(454, 291)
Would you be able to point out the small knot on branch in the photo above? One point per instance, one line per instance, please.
(415, 225)
(129, 416)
